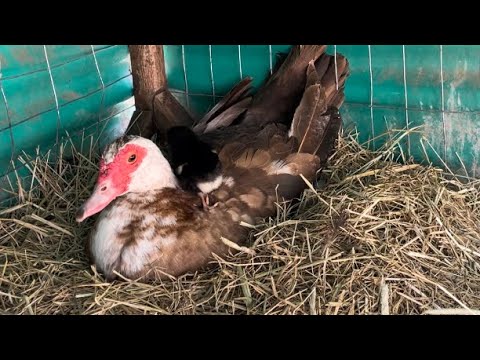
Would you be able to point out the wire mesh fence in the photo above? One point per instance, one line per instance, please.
(53, 94)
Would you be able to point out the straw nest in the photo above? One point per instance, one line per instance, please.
(379, 237)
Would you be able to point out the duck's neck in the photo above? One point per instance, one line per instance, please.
(154, 174)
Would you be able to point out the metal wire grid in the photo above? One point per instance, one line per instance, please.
(96, 128)
(49, 68)
(214, 94)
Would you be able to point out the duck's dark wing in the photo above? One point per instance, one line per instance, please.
(265, 165)
(227, 110)
(278, 100)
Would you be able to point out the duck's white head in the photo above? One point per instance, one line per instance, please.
(131, 164)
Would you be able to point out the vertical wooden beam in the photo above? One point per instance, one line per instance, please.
(148, 72)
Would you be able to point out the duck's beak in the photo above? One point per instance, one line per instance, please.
(103, 194)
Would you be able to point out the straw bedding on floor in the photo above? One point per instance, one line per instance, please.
(377, 237)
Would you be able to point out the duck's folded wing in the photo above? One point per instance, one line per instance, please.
(277, 99)
(227, 110)
(271, 163)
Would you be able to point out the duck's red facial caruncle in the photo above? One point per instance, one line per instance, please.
(113, 179)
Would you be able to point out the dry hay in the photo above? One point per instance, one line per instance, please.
(379, 237)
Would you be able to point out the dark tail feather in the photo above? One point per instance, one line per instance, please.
(330, 135)
(330, 78)
(307, 74)
(317, 121)
(334, 81)
(277, 99)
(228, 116)
(237, 94)
(308, 125)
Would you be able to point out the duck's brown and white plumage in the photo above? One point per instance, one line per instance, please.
(150, 228)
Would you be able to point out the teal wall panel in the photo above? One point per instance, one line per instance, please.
(60, 94)
(73, 92)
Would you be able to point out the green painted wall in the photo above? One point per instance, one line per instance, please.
(54, 93)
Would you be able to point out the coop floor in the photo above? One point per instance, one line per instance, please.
(378, 237)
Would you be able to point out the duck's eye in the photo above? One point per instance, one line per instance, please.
(132, 158)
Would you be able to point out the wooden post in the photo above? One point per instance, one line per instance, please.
(148, 72)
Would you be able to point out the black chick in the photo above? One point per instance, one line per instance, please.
(194, 162)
